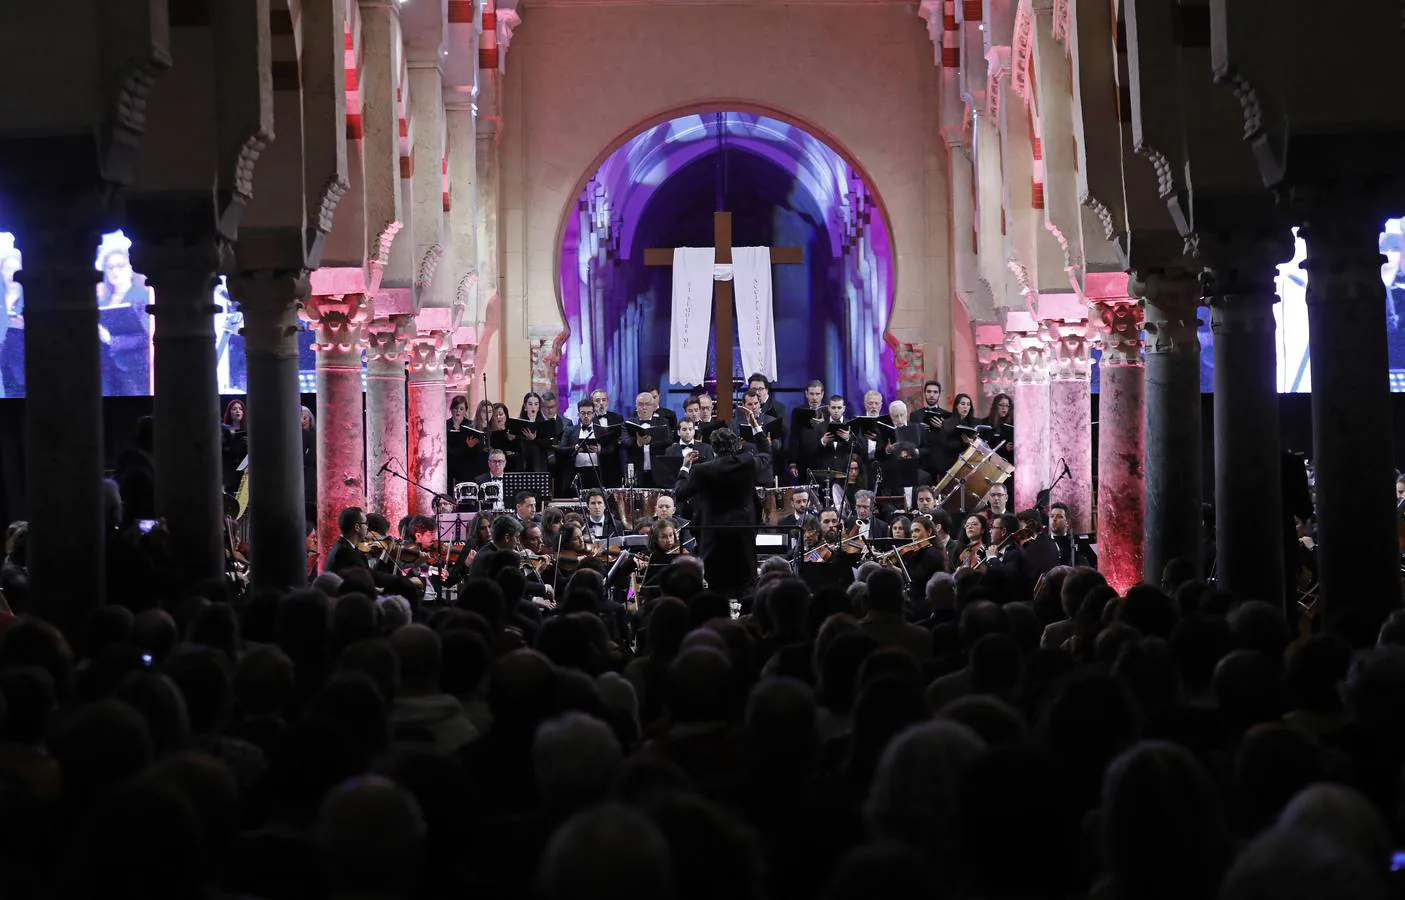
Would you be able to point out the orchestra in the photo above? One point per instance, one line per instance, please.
(628, 494)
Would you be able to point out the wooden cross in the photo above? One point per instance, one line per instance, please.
(722, 299)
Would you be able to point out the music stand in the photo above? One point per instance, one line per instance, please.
(823, 575)
(454, 527)
(538, 484)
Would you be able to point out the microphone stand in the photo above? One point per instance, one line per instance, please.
(408, 480)
(1041, 501)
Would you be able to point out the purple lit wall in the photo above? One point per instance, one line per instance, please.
(784, 188)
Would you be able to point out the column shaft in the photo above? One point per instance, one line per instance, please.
(1248, 486)
(278, 523)
(1174, 495)
(385, 426)
(1353, 462)
(1031, 439)
(185, 409)
(429, 464)
(65, 497)
(1121, 509)
(341, 448)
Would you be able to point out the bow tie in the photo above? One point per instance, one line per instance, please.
(687, 445)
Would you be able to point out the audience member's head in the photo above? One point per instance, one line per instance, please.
(575, 758)
(606, 853)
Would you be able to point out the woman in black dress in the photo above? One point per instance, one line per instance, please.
(1002, 426)
(464, 448)
(534, 444)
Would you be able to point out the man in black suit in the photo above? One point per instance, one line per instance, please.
(586, 461)
(724, 494)
(642, 449)
(804, 436)
(770, 406)
(688, 440)
(490, 485)
(761, 434)
(664, 411)
(600, 525)
(1061, 533)
(836, 448)
(351, 522)
(870, 526)
(799, 506)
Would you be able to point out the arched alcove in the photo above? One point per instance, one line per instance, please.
(784, 187)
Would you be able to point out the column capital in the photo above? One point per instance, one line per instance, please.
(1068, 346)
(270, 302)
(386, 339)
(1243, 262)
(1119, 328)
(340, 319)
(1171, 321)
(996, 369)
(1031, 360)
(425, 355)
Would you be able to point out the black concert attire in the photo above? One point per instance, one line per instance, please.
(804, 446)
(1002, 434)
(126, 358)
(773, 408)
(703, 449)
(490, 493)
(465, 463)
(642, 456)
(763, 442)
(593, 469)
(535, 455)
(1042, 553)
(921, 565)
(234, 449)
(877, 528)
(598, 531)
(723, 491)
(344, 555)
(1070, 554)
(508, 443)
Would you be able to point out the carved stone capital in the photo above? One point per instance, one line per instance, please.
(429, 265)
(424, 355)
(1343, 258)
(1068, 344)
(996, 369)
(1119, 324)
(270, 301)
(339, 319)
(387, 338)
(1030, 355)
(1171, 300)
(458, 368)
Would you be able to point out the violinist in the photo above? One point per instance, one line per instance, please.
(924, 560)
(849, 547)
(349, 552)
(868, 525)
(574, 554)
(1005, 552)
(525, 505)
(969, 550)
(1040, 549)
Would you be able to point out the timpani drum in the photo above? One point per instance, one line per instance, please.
(632, 504)
(970, 478)
(466, 497)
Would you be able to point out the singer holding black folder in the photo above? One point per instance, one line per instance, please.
(589, 451)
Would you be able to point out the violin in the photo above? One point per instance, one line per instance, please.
(974, 556)
(853, 543)
(905, 550)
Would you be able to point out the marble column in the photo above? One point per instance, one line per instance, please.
(1121, 513)
(1174, 495)
(1352, 450)
(340, 321)
(185, 408)
(1248, 486)
(1071, 422)
(1031, 422)
(386, 441)
(64, 496)
(429, 464)
(278, 525)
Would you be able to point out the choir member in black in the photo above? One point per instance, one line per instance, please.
(688, 440)
(587, 452)
(769, 406)
(947, 444)
(723, 491)
(868, 524)
(124, 325)
(552, 412)
(600, 525)
(642, 448)
(534, 444)
(760, 433)
(309, 465)
(670, 415)
(836, 446)
(501, 438)
(1001, 420)
(804, 435)
(234, 444)
(467, 456)
(556, 425)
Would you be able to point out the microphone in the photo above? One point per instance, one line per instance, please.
(1067, 472)
(383, 468)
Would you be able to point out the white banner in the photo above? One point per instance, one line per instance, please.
(692, 314)
(756, 318)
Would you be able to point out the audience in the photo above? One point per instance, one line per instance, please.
(1168, 742)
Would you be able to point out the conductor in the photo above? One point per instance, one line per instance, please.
(723, 495)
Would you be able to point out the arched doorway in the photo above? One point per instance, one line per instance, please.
(784, 187)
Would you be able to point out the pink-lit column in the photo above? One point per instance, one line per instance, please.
(1071, 422)
(386, 441)
(1121, 388)
(429, 464)
(1031, 420)
(339, 320)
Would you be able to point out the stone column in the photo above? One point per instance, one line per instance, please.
(385, 415)
(1031, 419)
(1352, 449)
(278, 523)
(1071, 422)
(429, 463)
(1121, 514)
(185, 409)
(64, 497)
(340, 320)
(1248, 486)
(1173, 469)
